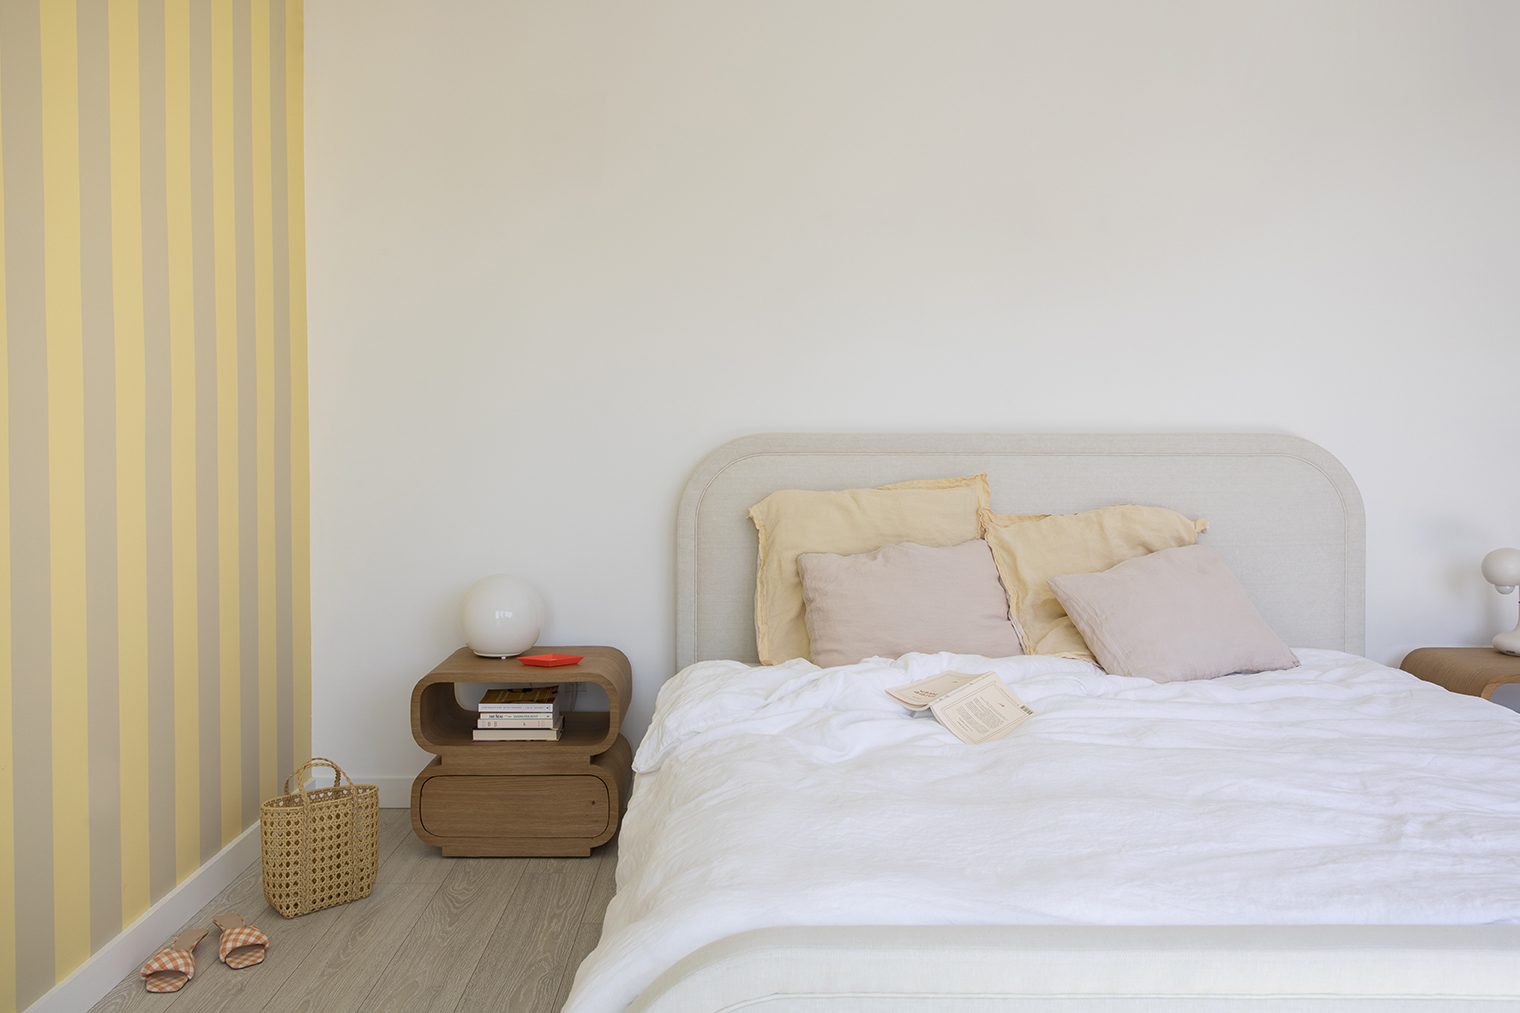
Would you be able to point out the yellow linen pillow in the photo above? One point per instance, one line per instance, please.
(790, 522)
(1030, 550)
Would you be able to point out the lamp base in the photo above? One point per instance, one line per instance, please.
(1508, 643)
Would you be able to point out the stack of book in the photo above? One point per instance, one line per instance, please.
(524, 715)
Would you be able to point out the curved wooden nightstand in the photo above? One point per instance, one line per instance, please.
(521, 798)
(1476, 671)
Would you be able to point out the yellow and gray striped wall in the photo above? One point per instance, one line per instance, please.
(155, 680)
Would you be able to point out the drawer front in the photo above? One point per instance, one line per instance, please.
(566, 805)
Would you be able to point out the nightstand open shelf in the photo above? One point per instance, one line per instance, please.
(521, 798)
(450, 728)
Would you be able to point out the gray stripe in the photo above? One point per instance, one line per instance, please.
(161, 863)
(284, 679)
(203, 240)
(100, 470)
(248, 474)
(31, 653)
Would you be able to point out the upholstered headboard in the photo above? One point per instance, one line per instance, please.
(1283, 513)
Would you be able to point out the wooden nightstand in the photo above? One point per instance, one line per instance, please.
(1471, 670)
(521, 798)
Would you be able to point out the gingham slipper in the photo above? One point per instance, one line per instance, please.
(242, 944)
(169, 968)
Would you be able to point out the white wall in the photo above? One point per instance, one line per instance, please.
(561, 250)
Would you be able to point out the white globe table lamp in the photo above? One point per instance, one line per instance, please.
(502, 616)
(1501, 568)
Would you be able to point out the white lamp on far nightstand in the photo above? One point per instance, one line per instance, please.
(1501, 568)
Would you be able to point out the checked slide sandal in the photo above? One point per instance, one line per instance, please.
(169, 968)
(242, 944)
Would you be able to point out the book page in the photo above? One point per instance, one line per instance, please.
(918, 695)
(983, 710)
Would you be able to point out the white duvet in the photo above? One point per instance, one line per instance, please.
(1339, 792)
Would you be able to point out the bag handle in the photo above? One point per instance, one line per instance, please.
(315, 761)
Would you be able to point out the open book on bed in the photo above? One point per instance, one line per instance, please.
(977, 708)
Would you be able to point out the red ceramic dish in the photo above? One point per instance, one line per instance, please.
(550, 660)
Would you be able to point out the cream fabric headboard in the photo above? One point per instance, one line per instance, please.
(1283, 513)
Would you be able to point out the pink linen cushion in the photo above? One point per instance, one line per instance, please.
(903, 598)
(1171, 616)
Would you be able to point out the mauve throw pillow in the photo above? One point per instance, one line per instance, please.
(903, 598)
(1171, 616)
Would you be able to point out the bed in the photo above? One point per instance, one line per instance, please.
(1340, 836)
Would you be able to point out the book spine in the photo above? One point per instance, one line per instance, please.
(519, 708)
(517, 723)
(517, 735)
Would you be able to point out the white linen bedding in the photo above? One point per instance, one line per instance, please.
(1339, 792)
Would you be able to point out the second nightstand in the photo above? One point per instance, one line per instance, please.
(1475, 671)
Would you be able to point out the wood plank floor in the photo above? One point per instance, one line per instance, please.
(437, 935)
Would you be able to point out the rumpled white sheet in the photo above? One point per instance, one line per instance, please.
(1339, 792)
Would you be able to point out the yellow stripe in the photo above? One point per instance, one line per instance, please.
(131, 456)
(7, 790)
(65, 387)
(263, 302)
(182, 437)
(300, 483)
(223, 172)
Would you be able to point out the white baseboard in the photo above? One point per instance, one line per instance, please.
(395, 792)
(91, 980)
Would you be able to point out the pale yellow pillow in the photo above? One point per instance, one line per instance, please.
(793, 521)
(1029, 551)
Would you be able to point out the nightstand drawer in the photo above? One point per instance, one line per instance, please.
(569, 805)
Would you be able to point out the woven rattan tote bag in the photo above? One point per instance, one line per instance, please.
(321, 847)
